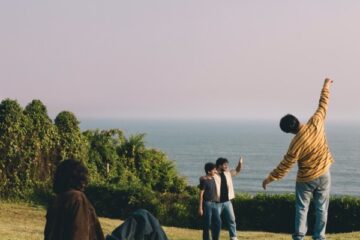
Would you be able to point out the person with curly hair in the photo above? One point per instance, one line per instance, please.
(71, 216)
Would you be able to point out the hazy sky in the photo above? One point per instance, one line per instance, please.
(181, 59)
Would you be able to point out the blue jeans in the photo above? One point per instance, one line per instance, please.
(212, 221)
(319, 188)
(229, 217)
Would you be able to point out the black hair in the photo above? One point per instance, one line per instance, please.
(70, 174)
(221, 161)
(209, 166)
(289, 124)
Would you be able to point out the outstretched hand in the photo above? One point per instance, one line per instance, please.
(265, 183)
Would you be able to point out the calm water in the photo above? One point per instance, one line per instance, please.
(193, 143)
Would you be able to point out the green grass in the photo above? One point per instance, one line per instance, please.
(19, 221)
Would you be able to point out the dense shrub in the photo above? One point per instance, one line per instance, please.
(179, 210)
(173, 209)
(15, 163)
(272, 213)
(42, 138)
(276, 213)
(32, 145)
(344, 214)
(71, 142)
(119, 202)
(265, 212)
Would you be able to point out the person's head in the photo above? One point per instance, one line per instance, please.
(70, 174)
(222, 164)
(210, 169)
(289, 124)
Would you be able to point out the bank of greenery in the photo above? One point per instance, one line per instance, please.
(270, 213)
(32, 145)
(126, 175)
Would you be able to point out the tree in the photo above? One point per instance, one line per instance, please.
(71, 142)
(14, 169)
(31, 146)
(42, 139)
(104, 162)
(131, 150)
(151, 166)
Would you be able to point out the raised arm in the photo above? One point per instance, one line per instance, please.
(324, 100)
(238, 168)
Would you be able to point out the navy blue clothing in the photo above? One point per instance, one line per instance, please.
(209, 187)
(224, 191)
(141, 225)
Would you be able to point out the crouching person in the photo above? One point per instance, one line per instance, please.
(141, 225)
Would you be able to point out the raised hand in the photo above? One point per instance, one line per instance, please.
(327, 83)
(239, 166)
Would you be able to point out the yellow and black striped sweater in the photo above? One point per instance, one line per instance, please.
(308, 148)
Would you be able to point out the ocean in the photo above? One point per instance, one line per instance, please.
(190, 144)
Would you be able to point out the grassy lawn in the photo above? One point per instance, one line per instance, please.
(22, 221)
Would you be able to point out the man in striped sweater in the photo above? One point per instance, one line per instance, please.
(310, 150)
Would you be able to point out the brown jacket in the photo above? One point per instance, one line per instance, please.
(72, 217)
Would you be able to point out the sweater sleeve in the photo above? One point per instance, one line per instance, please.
(320, 113)
(287, 162)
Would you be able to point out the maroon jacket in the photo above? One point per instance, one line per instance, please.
(72, 217)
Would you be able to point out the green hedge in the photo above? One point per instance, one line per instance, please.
(171, 209)
(276, 213)
(272, 213)
(262, 212)
(117, 202)
(344, 214)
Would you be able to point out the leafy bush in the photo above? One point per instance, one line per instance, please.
(276, 213)
(265, 212)
(32, 145)
(344, 214)
(14, 153)
(272, 213)
(172, 209)
(120, 202)
(179, 210)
